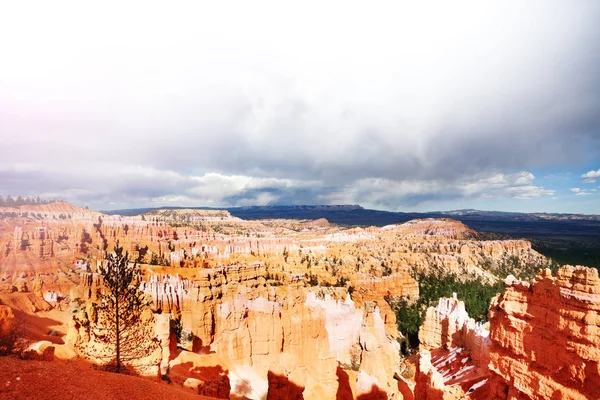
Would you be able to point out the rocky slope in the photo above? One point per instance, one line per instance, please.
(23, 380)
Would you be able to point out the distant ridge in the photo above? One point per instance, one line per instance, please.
(530, 225)
(251, 211)
(324, 207)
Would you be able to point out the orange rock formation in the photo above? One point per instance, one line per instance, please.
(543, 342)
(7, 329)
(282, 308)
(546, 336)
(454, 354)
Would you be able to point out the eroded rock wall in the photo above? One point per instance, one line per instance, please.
(543, 342)
(546, 336)
(454, 354)
(281, 337)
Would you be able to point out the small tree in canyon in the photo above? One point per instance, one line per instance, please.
(121, 306)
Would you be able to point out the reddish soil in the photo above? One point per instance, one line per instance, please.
(21, 379)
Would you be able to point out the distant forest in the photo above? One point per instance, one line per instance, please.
(9, 201)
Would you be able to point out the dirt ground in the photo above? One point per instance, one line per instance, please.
(20, 379)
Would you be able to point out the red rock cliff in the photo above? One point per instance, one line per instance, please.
(546, 337)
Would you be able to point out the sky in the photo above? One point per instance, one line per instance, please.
(401, 106)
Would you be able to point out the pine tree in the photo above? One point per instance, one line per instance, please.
(121, 306)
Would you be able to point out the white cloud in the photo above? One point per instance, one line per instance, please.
(559, 176)
(529, 192)
(525, 178)
(384, 193)
(148, 186)
(591, 176)
(581, 192)
(219, 107)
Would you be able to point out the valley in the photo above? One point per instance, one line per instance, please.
(276, 308)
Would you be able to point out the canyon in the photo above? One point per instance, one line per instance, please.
(290, 309)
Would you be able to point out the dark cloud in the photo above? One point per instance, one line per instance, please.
(416, 108)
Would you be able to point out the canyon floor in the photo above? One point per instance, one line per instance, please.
(291, 309)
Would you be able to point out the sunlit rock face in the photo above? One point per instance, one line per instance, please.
(546, 337)
(543, 342)
(454, 354)
(448, 325)
(276, 338)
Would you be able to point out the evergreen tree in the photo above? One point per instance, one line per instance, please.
(121, 306)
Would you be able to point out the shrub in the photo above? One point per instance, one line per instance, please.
(409, 316)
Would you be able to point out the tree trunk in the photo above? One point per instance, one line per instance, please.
(118, 337)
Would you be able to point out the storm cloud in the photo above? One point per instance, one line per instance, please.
(396, 106)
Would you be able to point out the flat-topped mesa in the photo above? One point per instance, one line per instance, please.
(433, 227)
(546, 335)
(51, 211)
(192, 216)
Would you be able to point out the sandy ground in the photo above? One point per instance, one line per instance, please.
(21, 379)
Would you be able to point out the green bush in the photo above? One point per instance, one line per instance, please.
(409, 316)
